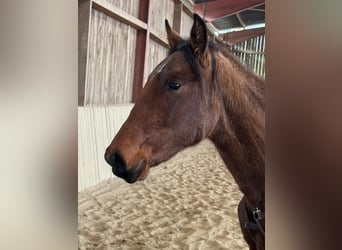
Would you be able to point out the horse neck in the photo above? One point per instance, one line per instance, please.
(239, 132)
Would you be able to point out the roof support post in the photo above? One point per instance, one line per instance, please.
(141, 51)
(84, 16)
(177, 16)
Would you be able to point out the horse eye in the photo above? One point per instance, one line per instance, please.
(174, 85)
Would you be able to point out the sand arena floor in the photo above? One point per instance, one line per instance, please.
(188, 202)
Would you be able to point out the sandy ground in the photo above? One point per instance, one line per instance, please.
(188, 202)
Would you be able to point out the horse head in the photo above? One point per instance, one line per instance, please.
(174, 111)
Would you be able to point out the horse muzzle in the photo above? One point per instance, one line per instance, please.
(136, 170)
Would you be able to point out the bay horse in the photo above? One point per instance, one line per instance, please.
(200, 91)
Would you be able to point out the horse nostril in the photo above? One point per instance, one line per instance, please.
(117, 162)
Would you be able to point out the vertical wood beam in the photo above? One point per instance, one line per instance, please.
(177, 16)
(141, 51)
(84, 16)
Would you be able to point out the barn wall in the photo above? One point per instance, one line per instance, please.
(187, 22)
(96, 129)
(112, 44)
(161, 10)
(110, 72)
(156, 54)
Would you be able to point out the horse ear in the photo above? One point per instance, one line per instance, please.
(199, 36)
(172, 36)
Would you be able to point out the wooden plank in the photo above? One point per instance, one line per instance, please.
(84, 9)
(161, 10)
(240, 20)
(112, 11)
(156, 37)
(187, 10)
(157, 53)
(97, 127)
(141, 50)
(111, 56)
(139, 65)
(187, 22)
(177, 16)
(232, 38)
(131, 7)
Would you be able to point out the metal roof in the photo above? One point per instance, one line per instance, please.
(232, 20)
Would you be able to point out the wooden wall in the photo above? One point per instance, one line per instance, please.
(161, 10)
(125, 41)
(96, 129)
(110, 60)
(156, 54)
(187, 22)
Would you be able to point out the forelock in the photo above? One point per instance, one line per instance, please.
(185, 47)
